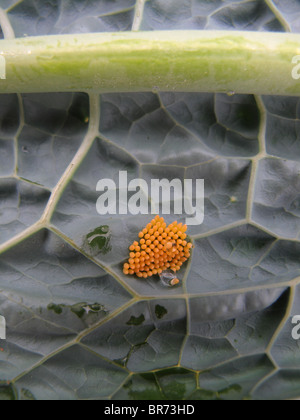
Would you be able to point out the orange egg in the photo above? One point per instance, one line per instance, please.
(161, 247)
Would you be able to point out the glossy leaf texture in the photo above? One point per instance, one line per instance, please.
(77, 327)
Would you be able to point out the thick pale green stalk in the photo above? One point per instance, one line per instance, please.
(240, 62)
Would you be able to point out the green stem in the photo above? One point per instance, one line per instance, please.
(188, 61)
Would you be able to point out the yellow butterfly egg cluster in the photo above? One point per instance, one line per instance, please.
(161, 247)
